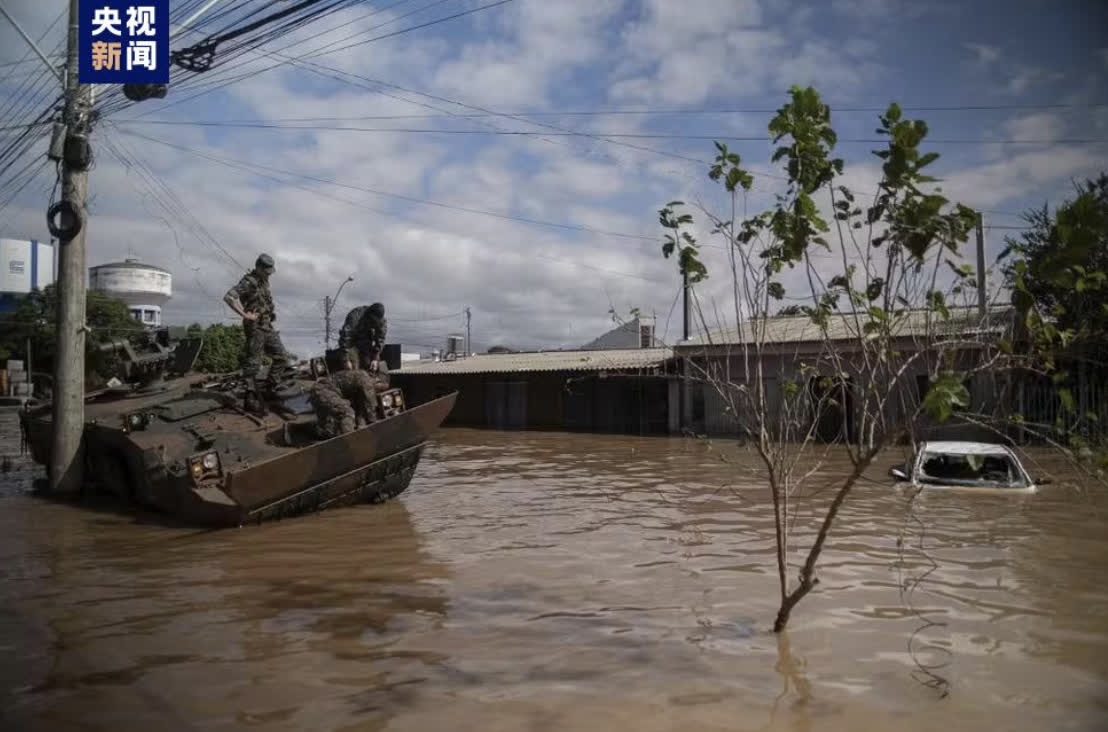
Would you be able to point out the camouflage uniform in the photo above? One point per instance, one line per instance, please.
(343, 401)
(261, 339)
(365, 329)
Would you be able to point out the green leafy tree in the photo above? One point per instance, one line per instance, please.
(222, 349)
(888, 303)
(34, 320)
(1057, 271)
(1059, 265)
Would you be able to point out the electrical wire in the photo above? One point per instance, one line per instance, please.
(250, 169)
(616, 135)
(412, 199)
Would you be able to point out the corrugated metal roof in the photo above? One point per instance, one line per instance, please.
(492, 363)
(844, 326)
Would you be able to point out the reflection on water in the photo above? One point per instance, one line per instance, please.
(551, 581)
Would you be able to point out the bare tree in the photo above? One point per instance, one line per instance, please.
(890, 340)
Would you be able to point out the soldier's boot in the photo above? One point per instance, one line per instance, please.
(252, 402)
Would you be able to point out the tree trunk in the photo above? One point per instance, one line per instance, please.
(808, 579)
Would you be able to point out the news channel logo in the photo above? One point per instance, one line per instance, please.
(123, 42)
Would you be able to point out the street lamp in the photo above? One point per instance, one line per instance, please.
(328, 306)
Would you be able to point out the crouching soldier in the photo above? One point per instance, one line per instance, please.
(343, 402)
(365, 329)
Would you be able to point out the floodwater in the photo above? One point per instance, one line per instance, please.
(533, 581)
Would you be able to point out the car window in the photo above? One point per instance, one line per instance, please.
(969, 469)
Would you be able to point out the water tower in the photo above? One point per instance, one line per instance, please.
(144, 287)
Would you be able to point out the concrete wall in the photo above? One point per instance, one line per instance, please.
(25, 265)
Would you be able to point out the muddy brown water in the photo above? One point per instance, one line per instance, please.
(540, 581)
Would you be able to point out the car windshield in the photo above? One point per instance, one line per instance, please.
(961, 469)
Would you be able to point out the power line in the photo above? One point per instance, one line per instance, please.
(653, 112)
(391, 34)
(425, 201)
(616, 135)
(249, 167)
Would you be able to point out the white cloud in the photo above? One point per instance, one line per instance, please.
(1027, 77)
(1040, 126)
(985, 54)
(528, 285)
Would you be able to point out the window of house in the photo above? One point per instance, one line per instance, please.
(646, 336)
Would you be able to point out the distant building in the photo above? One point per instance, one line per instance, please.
(144, 287)
(630, 391)
(25, 265)
(635, 333)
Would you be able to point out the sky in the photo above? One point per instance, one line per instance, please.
(184, 196)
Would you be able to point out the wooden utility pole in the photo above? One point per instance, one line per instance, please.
(982, 297)
(67, 457)
(328, 306)
(685, 286)
(468, 347)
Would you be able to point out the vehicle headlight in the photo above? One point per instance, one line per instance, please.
(210, 461)
(399, 400)
(135, 421)
(386, 400)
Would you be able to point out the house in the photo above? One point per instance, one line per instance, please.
(720, 360)
(629, 391)
(635, 333)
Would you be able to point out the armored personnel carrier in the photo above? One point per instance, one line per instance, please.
(180, 443)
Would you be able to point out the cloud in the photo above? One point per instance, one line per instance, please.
(1040, 126)
(1027, 77)
(985, 54)
(527, 285)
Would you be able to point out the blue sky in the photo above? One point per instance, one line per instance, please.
(530, 285)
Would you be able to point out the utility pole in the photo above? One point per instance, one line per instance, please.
(468, 348)
(67, 457)
(685, 285)
(981, 295)
(328, 306)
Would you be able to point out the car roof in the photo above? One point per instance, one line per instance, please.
(958, 447)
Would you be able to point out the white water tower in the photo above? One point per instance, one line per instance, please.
(144, 287)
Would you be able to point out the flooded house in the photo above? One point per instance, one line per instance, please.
(622, 382)
(782, 349)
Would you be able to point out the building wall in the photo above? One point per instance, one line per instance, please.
(627, 335)
(619, 403)
(711, 411)
(25, 265)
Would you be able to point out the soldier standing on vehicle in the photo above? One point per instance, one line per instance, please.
(344, 401)
(252, 301)
(365, 329)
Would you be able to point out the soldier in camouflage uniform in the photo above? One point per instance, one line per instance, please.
(344, 401)
(365, 329)
(252, 300)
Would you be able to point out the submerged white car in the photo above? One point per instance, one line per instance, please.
(966, 465)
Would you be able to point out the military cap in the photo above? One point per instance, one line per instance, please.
(264, 260)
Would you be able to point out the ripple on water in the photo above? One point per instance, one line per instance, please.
(552, 581)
